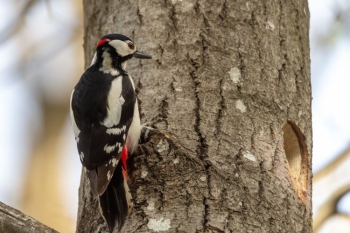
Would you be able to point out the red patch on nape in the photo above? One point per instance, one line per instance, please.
(102, 41)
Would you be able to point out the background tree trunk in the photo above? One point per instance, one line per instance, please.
(231, 79)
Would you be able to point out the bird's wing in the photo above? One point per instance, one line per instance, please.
(101, 145)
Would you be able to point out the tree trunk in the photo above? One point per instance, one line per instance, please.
(231, 81)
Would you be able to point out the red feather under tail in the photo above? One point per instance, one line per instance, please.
(123, 158)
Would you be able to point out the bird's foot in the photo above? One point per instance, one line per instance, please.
(149, 127)
(152, 124)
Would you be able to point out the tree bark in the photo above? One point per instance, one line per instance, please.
(14, 221)
(231, 81)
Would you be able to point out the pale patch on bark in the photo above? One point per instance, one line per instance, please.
(163, 145)
(144, 174)
(150, 205)
(249, 156)
(235, 75)
(175, 1)
(240, 106)
(159, 224)
(270, 25)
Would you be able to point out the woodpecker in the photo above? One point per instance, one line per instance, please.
(106, 124)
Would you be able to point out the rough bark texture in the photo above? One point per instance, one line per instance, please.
(231, 79)
(14, 221)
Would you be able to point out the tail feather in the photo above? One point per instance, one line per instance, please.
(114, 202)
(108, 204)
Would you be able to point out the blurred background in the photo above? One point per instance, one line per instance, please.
(41, 59)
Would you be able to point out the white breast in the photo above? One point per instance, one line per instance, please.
(135, 127)
(134, 130)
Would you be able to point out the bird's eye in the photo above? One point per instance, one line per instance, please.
(131, 46)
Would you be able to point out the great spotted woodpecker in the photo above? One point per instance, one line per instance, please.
(106, 124)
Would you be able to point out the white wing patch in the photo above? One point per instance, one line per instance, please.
(109, 149)
(117, 145)
(115, 103)
(116, 131)
(114, 162)
(76, 130)
(109, 176)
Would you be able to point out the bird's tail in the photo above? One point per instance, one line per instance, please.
(115, 202)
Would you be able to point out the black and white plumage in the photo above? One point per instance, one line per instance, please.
(106, 124)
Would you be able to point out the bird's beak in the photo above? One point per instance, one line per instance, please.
(142, 55)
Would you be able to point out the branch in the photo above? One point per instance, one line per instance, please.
(14, 221)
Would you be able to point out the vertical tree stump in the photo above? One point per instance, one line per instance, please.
(231, 79)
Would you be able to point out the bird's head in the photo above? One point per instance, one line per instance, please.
(115, 50)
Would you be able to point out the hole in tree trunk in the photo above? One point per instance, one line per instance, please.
(297, 157)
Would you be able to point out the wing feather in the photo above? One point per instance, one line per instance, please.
(103, 124)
